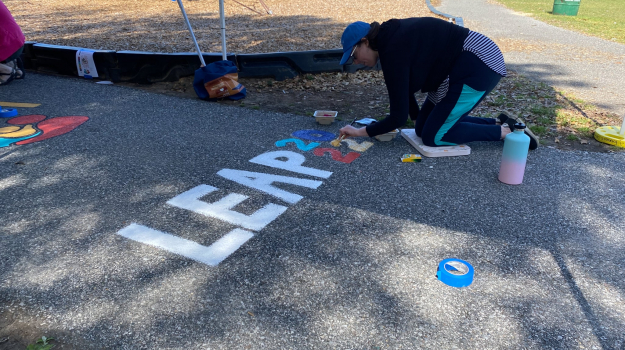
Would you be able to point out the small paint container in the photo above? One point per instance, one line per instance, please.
(325, 117)
(387, 136)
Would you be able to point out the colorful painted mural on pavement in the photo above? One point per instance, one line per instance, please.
(34, 128)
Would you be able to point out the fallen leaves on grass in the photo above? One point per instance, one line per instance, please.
(323, 82)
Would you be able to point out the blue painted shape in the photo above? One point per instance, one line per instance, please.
(469, 97)
(5, 142)
(299, 143)
(314, 135)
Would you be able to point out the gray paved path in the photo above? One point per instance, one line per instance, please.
(349, 266)
(591, 68)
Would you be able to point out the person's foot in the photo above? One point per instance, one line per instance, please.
(501, 119)
(505, 130)
(7, 73)
(506, 119)
(533, 138)
(20, 72)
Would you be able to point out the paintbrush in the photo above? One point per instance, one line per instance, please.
(338, 141)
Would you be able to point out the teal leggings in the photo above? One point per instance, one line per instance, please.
(448, 122)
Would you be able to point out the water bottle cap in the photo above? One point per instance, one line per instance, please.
(519, 126)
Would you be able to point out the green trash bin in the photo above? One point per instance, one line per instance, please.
(566, 7)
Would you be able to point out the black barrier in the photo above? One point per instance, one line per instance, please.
(28, 55)
(149, 67)
(62, 60)
(285, 65)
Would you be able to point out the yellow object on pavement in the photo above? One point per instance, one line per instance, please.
(410, 158)
(18, 104)
(612, 135)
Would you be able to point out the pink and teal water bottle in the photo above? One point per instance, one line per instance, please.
(515, 148)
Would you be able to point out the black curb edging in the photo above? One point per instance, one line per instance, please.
(151, 67)
(62, 60)
(285, 65)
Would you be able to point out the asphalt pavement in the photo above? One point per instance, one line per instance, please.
(590, 68)
(345, 260)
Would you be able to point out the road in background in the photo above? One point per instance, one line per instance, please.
(589, 67)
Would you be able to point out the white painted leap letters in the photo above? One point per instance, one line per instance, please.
(211, 255)
(293, 163)
(222, 209)
(262, 182)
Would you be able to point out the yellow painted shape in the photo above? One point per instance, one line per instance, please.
(610, 135)
(18, 104)
(27, 130)
(358, 147)
(8, 129)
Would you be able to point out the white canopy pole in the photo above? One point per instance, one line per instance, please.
(223, 29)
(197, 47)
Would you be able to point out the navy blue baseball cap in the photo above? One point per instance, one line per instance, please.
(351, 36)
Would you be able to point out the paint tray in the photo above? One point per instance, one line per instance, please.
(443, 151)
(387, 136)
(325, 117)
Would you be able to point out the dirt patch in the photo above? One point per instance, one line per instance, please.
(17, 333)
(352, 95)
(158, 26)
(562, 121)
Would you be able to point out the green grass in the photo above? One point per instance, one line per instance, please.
(543, 111)
(601, 18)
(585, 131)
(572, 137)
(539, 130)
(543, 121)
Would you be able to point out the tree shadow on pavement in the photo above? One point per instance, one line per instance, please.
(351, 265)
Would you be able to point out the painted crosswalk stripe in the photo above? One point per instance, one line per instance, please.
(211, 255)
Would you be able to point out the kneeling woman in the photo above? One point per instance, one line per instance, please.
(455, 66)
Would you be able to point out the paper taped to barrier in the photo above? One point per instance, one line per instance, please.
(85, 64)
